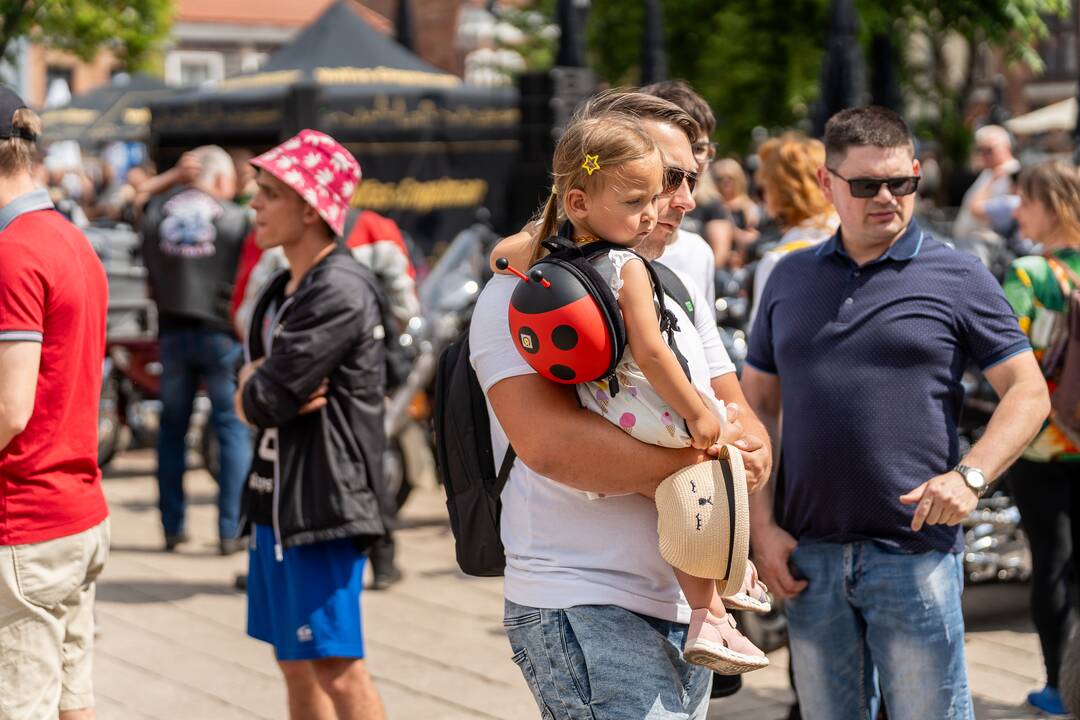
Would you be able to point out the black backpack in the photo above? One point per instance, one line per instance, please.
(465, 458)
(467, 465)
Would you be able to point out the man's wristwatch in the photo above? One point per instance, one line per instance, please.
(973, 478)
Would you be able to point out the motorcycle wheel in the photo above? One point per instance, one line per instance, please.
(394, 473)
(210, 449)
(109, 422)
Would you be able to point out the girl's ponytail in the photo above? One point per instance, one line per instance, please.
(548, 225)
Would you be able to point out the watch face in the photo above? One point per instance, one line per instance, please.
(975, 479)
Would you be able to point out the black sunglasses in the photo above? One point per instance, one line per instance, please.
(673, 180)
(869, 187)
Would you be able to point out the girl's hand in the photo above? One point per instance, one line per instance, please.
(705, 430)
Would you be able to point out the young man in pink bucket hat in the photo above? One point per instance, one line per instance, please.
(313, 387)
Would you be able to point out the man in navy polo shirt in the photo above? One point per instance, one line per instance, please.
(868, 335)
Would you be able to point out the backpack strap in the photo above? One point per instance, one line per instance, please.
(675, 289)
(669, 325)
(1061, 271)
(504, 470)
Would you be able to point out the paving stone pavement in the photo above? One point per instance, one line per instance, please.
(173, 643)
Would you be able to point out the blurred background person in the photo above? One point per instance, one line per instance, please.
(1046, 479)
(993, 153)
(688, 250)
(787, 177)
(731, 182)
(192, 236)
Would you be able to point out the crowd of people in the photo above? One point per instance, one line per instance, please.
(841, 433)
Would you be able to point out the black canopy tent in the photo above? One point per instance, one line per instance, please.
(432, 149)
(117, 111)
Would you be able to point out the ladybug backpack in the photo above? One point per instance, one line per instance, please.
(565, 319)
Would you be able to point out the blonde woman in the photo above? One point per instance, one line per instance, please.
(787, 176)
(1045, 479)
(745, 215)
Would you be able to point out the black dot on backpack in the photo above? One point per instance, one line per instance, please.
(564, 337)
(562, 372)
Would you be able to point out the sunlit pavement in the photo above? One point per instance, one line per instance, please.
(173, 642)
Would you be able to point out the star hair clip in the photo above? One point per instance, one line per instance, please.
(591, 164)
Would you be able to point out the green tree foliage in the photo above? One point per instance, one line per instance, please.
(755, 61)
(132, 29)
(758, 61)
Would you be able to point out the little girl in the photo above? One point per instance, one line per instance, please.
(608, 178)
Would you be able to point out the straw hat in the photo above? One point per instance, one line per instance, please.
(704, 521)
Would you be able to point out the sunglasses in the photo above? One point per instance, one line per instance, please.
(673, 180)
(869, 187)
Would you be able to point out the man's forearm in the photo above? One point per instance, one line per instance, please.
(559, 439)
(761, 503)
(763, 397)
(1017, 419)
(602, 458)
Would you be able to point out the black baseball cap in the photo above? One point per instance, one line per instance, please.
(9, 103)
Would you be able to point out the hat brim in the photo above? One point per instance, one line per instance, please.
(703, 520)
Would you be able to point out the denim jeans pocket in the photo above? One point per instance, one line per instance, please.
(521, 659)
(576, 666)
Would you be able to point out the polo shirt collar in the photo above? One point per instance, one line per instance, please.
(905, 248)
(25, 203)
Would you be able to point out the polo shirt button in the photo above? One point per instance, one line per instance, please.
(849, 301)
(858, 273)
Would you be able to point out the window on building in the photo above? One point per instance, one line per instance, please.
(1058, 48)
(57, 72)
(193, 67)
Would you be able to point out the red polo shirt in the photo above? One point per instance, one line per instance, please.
(53, 290)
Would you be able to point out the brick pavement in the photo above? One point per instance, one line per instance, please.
(173, 645)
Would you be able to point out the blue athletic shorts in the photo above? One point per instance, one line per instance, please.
(308, 605)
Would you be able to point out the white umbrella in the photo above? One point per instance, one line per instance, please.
(1059, 116)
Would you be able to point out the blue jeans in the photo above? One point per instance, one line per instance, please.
(188, 356)
(602, 662)
(868, 610)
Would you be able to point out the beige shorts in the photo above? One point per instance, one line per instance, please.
(47, 623)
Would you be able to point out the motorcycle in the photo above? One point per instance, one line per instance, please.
(733, 312)
(447, 297)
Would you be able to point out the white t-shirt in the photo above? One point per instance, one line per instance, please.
(691, 255)
(563, 549)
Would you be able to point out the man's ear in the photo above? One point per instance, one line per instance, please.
(576, 204)
(824, 178)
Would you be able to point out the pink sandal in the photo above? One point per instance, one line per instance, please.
(715, 643)
(753, 596)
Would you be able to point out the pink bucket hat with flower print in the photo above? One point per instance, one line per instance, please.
(319, 169)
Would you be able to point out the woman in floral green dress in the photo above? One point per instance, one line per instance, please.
(1046, 480)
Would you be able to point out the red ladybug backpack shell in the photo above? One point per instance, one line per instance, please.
(565, 319)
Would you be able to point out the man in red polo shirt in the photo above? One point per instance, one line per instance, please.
(54, 528)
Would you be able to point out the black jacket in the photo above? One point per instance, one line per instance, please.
(191, 247)
(318, 476)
